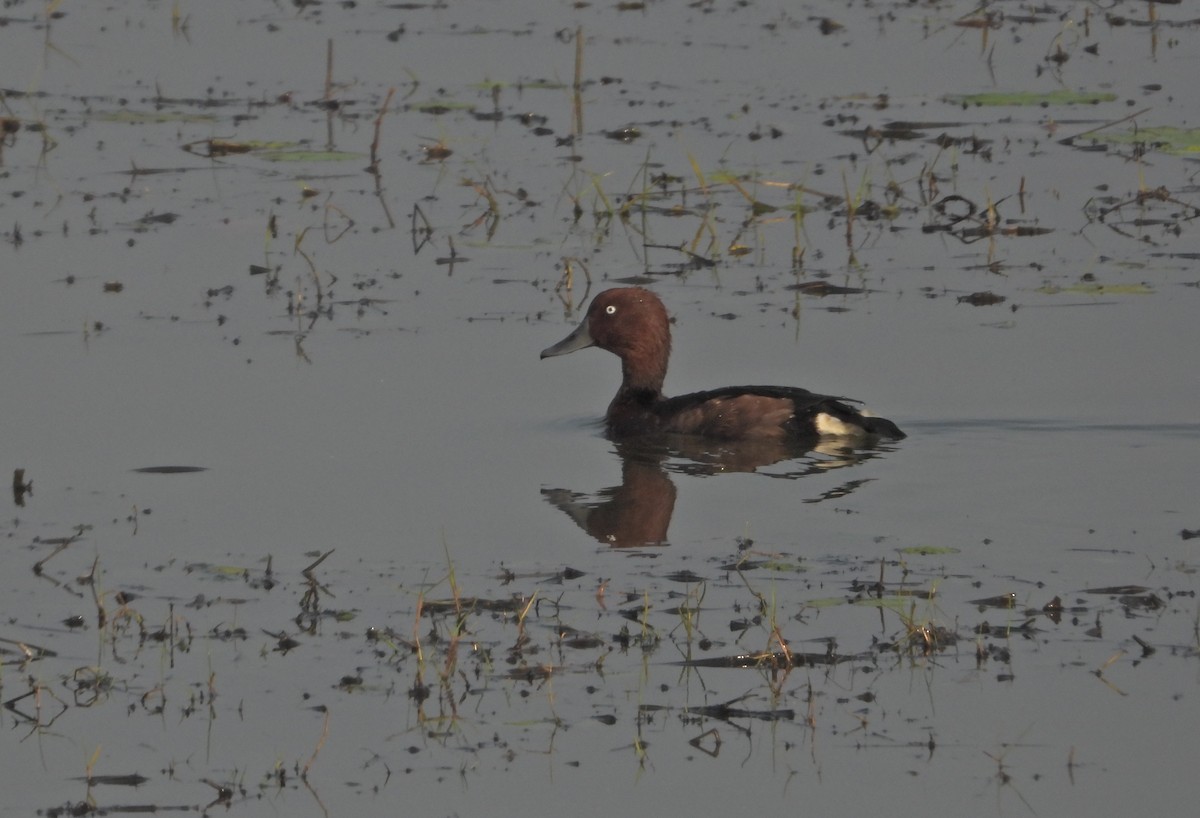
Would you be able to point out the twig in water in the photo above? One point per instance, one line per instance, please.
(577, 120)
(317, 749)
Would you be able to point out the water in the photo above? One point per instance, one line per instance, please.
(392, 410)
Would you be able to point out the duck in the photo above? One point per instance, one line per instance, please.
(632, 323)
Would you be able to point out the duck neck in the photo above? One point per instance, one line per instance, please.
(644, 370)
(641, 387)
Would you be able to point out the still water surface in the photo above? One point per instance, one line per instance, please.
(392, 409)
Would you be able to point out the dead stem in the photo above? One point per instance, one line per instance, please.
(317, 749)
(1099, 672)
(577, 119)
(89, 579)
(60, 546)
(312, 270)
(374, 166)
(564, 289)
(425, 230)
(328, 69)
(1070, 140)
(851, 209)
(307, 572)
(328, 102)
(348, 223)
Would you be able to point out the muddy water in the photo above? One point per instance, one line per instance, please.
(351, 359)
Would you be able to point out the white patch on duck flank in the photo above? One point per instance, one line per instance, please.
(836, 427)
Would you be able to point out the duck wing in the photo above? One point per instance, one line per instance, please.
(748, 411)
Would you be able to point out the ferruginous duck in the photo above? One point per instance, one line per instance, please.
(632, 323)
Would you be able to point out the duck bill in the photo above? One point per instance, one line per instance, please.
(581, 338)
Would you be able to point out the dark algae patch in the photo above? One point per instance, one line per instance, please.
(170, 469)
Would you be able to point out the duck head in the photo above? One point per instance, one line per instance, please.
(631, 323)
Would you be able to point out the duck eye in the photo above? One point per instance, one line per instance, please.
(610, 309)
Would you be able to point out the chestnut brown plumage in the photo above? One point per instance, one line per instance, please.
(632, 323)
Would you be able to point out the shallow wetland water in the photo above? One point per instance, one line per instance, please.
(302, 525)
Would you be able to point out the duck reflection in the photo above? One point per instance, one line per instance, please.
(638, 512)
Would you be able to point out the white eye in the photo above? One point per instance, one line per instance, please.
(610, 309)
